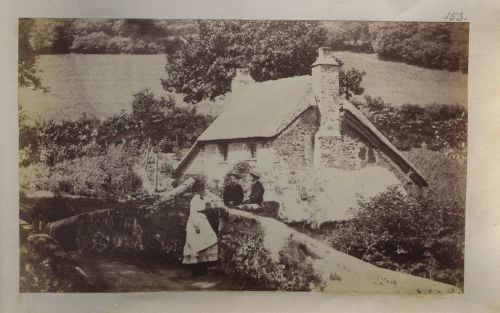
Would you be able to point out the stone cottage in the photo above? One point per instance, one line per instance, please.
(300, 122)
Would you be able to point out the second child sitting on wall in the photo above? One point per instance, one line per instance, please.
(233, 192)
(257, 192)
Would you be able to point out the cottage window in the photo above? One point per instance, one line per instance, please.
(371, 156)
(253, 150)
(223, 149)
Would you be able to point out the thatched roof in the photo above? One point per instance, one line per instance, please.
(261, 110)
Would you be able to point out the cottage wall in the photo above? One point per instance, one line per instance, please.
(352, 151)
(211, 161)
(295, 145)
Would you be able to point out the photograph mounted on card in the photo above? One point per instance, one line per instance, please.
(276, 155)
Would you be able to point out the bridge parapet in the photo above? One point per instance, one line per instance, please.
(267, 251)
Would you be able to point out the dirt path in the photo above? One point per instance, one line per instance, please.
(122, 274)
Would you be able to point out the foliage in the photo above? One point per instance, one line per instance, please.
(34, 177)
(109, 175)
(161, 120)
(270, 49)
(28, 58)
(242, 254)
(431, 45)
(138, 36)
(445, 170)
(51, 142)
(419, 236)
(45, 266)
(349, 36)
(158, 119)
(411, 126)
(350, 81)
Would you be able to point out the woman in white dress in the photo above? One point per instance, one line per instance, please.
(201, 240)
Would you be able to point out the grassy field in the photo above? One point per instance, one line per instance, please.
(100, 85)
(400, 83)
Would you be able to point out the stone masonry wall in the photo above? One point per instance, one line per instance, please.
(295, 145)
(345, 151)
(45, 266)
(144, 229)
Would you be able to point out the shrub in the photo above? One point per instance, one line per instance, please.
(445, 171)
(437, 126)
(34, 177)
(419, 236)
(109, 175)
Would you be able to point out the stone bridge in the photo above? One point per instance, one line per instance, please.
(252, 247)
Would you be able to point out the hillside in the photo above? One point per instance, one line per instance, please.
(101, 85)
(400, 83)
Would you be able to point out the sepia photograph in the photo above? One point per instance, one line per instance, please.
(242, 155)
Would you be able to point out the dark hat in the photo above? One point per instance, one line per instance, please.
(198, 185)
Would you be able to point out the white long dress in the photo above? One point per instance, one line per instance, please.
(200, 247)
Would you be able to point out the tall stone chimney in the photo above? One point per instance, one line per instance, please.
(241, 79)
(325, 81)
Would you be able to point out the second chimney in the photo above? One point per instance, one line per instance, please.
(328, 146)
(241, 79)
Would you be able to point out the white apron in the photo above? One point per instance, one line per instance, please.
(197, 242)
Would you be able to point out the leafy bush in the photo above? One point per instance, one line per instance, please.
(350, 81)
(34, 177)
(411, 126)
(153, 118)
(109, 175)
(419, 236)
(52, 141)
(444, 170)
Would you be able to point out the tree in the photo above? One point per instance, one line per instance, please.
(28, 59)
(349, 36)
(271, 49)
(160, 120)
(149, 113)
(431, 45)
(350, 81)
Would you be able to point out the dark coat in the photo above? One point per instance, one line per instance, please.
(233, 192)
(257, 194)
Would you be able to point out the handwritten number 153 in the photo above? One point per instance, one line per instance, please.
(455, 16)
